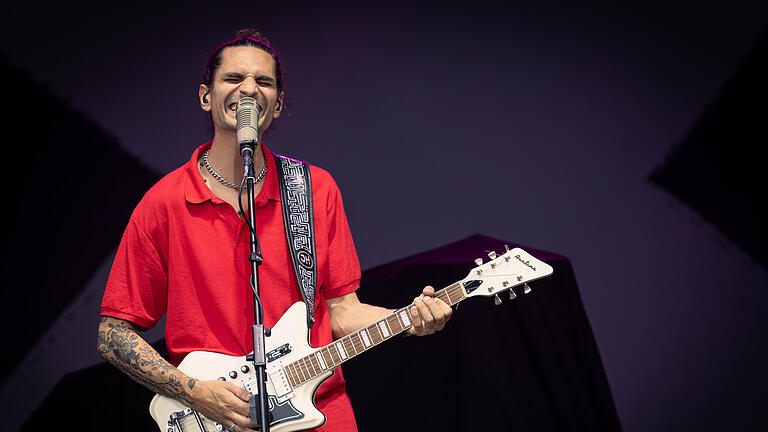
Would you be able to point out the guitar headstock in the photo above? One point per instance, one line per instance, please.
(515, 267)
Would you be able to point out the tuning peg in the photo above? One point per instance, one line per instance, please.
(512, 294)
(479, 261)
(526, 288)
(496, 300)
(492, 254)
(506, 248)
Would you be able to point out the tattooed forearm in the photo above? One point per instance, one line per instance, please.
(120, 344)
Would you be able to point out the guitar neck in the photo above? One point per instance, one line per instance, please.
(353, 344)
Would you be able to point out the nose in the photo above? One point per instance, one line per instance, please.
(249, 87)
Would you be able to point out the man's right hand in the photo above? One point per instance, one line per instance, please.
(119, 343)
(223, 402)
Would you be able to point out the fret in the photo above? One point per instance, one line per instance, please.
(404, 317)
(462, 290)
(305, 369)
(458, 292)
(448, 296)
(291, 374)
(308, 365)
(384, 328)
(327, 357)
(340, 348)
(334, 354)
(441, 295)
(375, 334)
(357, 343)
(349, 346)
(321, 361)
(297, 371)
(300, 373)
(394, 324)
(364, 335)
(409, 315)
(315, 367)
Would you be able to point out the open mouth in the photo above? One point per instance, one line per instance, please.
(233, 107)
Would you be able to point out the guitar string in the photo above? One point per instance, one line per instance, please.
(348, 341)
(301, 364)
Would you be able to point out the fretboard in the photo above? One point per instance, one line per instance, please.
(332, 355)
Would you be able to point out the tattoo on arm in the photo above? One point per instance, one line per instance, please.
(119, 343)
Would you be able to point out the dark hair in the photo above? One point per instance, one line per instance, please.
(244, 37)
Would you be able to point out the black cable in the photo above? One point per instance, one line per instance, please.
(258, 245)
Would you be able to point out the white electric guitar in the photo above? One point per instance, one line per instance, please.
(295, 369)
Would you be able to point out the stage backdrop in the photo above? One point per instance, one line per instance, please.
(623, 137)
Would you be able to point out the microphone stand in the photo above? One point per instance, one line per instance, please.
(259, 407)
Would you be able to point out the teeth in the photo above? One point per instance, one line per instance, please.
(233, 107)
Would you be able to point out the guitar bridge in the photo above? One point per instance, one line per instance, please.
(188, 421)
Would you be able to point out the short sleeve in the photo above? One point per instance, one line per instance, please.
(343, 264)
(137, 288)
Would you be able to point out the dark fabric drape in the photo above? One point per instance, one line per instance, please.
(529, 364)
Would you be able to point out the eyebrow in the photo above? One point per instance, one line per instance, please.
(239, 75)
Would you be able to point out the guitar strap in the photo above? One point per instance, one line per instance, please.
(298, 219)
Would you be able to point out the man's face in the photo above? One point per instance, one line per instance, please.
(244, 72)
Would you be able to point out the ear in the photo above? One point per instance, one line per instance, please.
(204, 93)
(279, 106)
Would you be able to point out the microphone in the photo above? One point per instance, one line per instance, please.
(247, 125)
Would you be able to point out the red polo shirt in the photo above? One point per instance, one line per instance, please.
(185, 253)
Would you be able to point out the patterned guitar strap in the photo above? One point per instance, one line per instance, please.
(298, 219)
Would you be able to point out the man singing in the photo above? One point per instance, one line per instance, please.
(185, 253)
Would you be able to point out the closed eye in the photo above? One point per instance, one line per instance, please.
(262, 80)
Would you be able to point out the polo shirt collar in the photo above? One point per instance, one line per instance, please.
(196, 192)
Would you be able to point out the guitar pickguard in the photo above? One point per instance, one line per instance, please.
(280, 412)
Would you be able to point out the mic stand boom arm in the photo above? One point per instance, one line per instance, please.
(258, 402)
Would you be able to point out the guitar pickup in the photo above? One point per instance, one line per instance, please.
(280, 384)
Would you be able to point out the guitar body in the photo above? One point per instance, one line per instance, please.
(288, 342)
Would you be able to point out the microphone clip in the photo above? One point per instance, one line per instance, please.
(246, 151)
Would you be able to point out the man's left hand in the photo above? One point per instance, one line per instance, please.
(429, 314)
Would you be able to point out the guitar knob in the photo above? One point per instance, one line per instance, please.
(244, 369)
(233, 374)
(222, 379)
(526, 289)
(496, 300)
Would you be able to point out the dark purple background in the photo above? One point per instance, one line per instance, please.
(537, 123)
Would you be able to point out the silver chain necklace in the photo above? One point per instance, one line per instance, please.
(224, 181)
